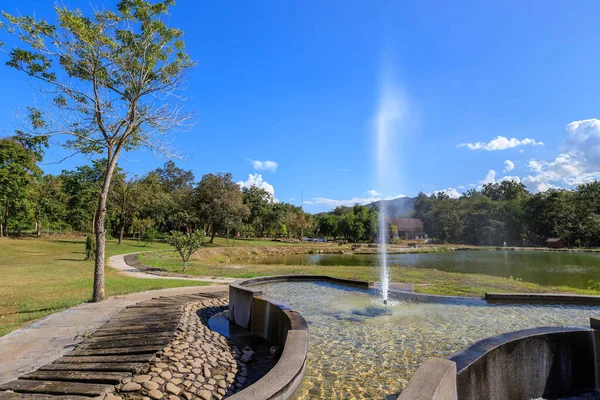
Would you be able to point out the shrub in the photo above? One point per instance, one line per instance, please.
(185, 244)
(90, 247)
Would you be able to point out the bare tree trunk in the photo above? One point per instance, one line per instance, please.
(38, 226)
(184, 266)
(98, 294)
(94, 222)
(213, 233)
(6, 220)
(121, 232)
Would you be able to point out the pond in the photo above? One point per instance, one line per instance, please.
(360, 349)
(544, 268)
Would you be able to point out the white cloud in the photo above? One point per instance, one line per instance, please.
(460, 187)
(350, 202)
(373, 193)
(344, 170)
(258, 181)
(508, 165)
(578, 162)
(264, 165)
(451, 192)
(535, 166)
(292, 199)
(501, 143)
(489, 178)
(510, 178)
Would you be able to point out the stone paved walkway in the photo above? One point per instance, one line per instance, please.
(117, 350)
(49, 338)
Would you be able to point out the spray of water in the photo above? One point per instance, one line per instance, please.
(389, 115)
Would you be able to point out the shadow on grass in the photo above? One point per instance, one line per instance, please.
(38, 310)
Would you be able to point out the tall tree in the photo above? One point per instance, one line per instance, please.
(113, 76)
(219, 203)
(18, 174)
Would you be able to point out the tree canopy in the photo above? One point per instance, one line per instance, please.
(113, 81)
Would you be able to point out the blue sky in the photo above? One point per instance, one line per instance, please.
(299, 84)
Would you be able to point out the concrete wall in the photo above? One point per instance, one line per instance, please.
(280, 325)
(527, 364)
(434, 380)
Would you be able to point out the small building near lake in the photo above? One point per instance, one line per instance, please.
(409, 228)
(556, 243)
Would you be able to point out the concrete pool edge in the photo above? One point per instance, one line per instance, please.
(279, 324)
(581, 299)
(528, 363)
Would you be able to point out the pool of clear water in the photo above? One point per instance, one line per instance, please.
(545, 268)
(360, 349)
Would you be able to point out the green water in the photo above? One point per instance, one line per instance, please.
(544, 268)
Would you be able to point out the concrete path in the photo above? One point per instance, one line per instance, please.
(49, 338)
(118, 262)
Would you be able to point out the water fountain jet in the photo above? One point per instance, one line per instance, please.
(389, 113)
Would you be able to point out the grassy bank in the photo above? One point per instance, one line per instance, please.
(229, 263)
(41, 276)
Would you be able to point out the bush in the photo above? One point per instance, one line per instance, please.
(90, 247)
(594, 285)
(151, 235)
(185, 244)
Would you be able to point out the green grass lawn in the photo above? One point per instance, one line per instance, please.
(41, 276)
(430, 281)
(249, 242)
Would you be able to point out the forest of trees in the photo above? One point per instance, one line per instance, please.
(169, 198)
(165, 199)
(507, 212)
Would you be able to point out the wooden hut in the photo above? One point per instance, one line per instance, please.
(556, 243)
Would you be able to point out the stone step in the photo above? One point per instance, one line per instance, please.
(124, 343)
(115, 351)
(112, 378)
(128, 358)
(38, 396)
(115, 367)
(56, 387)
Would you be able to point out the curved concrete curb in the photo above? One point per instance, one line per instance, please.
(544, 297)
(546, 362)
(279, 324)
(118, 262)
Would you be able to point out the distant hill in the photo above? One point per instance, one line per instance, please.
(396, 208)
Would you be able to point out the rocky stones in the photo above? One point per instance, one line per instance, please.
(166, 375)
(204, 394)
(141, 378)
(131, 387)
(171, 388)
(158, 380)
(150, 385)
(247, 356)
(155, 394)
